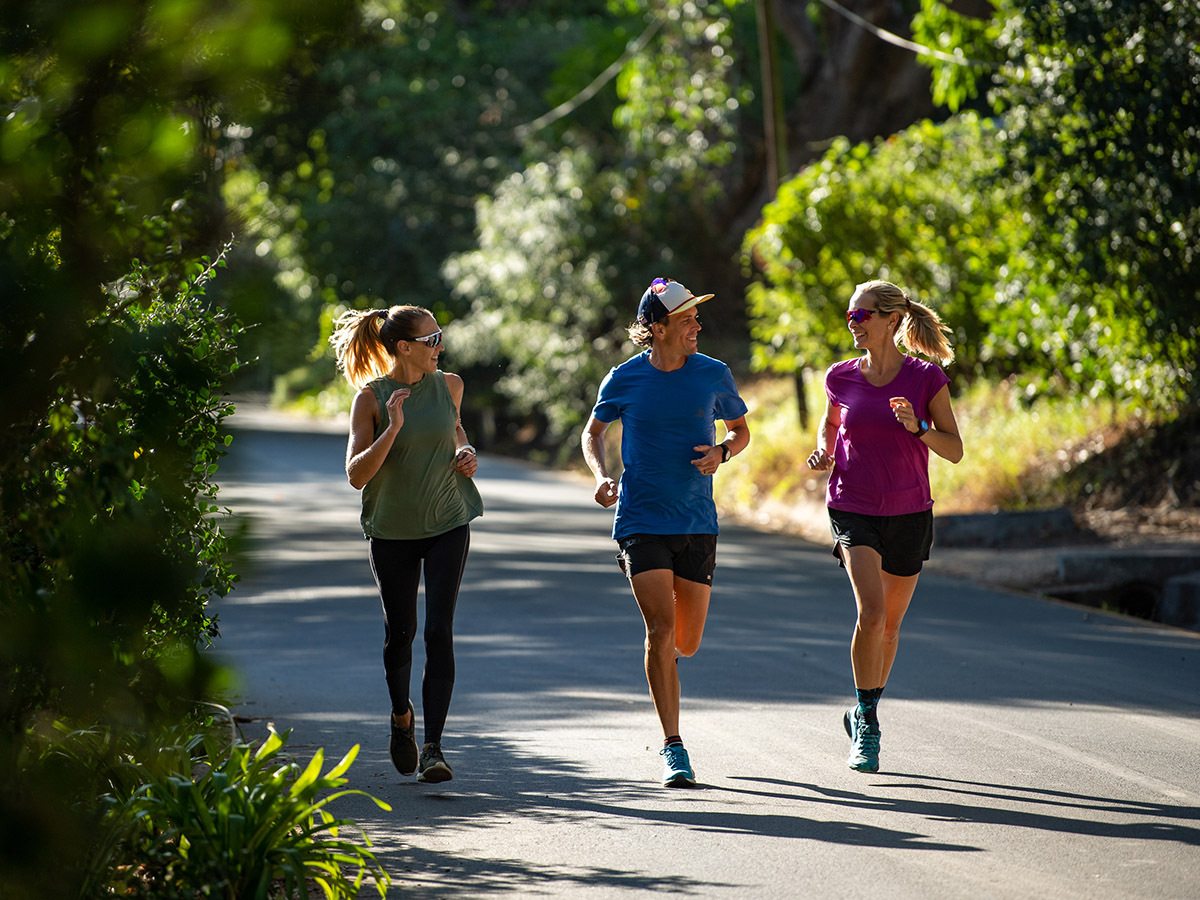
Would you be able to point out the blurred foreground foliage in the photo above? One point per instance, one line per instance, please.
(114, 358)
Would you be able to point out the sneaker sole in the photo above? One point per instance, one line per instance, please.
(403, 769)
(679, 781)
(435, 775)
(846, 724)
(864, 767)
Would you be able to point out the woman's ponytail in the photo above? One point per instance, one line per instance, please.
(921, 329)
(924, 331)
(358, 347)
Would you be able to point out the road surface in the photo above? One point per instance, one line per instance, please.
(1030, 749)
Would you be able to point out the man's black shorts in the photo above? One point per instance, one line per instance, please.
(692, 557)
(903, 541)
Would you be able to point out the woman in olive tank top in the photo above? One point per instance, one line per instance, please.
(410, 457)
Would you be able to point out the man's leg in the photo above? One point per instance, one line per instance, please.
(691, 613)
(655, 594)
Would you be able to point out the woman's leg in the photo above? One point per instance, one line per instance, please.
(396, 566)
(444, 563)
(864, 566)
(898, 592)
(882, 600)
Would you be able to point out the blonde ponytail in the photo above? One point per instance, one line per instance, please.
(924, 331)
(363, 340)
(921, 329)
(357, 347)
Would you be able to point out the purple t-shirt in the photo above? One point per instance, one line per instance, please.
(880, 468)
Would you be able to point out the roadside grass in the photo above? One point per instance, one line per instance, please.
(1015, 452)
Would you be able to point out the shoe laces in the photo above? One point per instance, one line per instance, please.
(675, 755)
(868, 741)
(431, 755)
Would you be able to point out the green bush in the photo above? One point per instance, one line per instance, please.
(1101, 134)
(917, 209)
(236, 822)
(930, 209)
(113, 546)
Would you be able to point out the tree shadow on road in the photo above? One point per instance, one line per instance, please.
(559, 801)
(1007, 808)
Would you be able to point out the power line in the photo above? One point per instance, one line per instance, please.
(636, 46)
(890, 37)
(569, 106)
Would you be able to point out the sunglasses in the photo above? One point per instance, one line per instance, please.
(430, 340)
(858, 316)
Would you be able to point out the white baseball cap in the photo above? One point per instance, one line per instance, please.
(664, 298)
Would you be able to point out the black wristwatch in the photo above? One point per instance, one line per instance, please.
(922, 427)
(726, 451)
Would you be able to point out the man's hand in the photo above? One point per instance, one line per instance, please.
(712, 458)
(606, 492)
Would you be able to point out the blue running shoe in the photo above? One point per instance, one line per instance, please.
(677, 768)
(864, 747)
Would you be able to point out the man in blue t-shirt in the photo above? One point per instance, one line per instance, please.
(668, 399)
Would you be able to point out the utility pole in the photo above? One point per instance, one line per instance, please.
(774, 127)
(775, 139)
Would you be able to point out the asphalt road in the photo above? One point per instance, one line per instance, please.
(1030, 749)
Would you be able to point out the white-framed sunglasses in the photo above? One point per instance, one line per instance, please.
(430, 340)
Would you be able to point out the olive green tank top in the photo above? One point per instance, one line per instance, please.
(417, 492)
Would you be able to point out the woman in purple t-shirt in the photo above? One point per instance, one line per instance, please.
(885, 412)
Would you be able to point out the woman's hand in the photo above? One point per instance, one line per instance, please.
(819, 460)
(465, 461)
(395, 409)
(903, 411)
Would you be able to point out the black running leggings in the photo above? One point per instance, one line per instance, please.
(397, 567)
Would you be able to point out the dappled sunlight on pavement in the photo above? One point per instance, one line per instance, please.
(1030, 748)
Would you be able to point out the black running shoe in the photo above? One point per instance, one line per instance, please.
(433, 768)
(403, 745)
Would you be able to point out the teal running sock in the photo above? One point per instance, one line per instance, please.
(868, 702)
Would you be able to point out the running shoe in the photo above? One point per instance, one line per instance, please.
(864, 747)
(403, 745)
(433, 768)
(850, 721)
(677, 768)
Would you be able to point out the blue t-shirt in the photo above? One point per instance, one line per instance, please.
(663, 416)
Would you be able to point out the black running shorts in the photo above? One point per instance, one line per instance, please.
(903, 541)
(692, 557)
